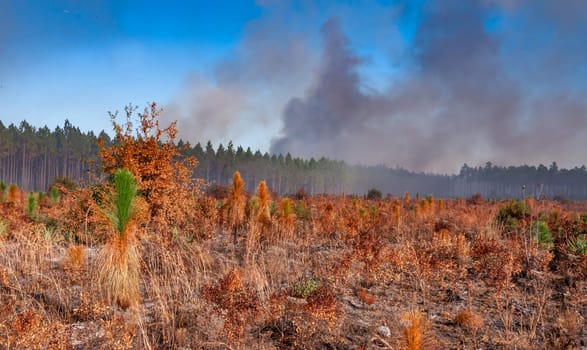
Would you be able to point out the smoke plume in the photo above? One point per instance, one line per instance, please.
(239, 96)
(475, 81)
(472, 93)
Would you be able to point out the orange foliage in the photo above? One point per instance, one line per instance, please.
(264, 216)
(240, 303)
(287, 217)
(366, 297)
(13, 194)
(469, 320)
(164, 177)
(236, 201)
(414, 330)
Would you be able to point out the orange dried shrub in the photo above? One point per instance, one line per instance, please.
(416, 331)
(264, 215)
(448, 252)
(413, 330)
(287, 218)
(240, 303)
(440, 205)
(397, 215)
(164, 175)
(407, 198)
(328, 218)
(14, 194)
(494, 261)
(76, 255)
(77, 214)
(366, 297)
(28, 329)
(236, 204)
(323, 305)
(469, 320)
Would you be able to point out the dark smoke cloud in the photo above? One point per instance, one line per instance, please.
(474, 93)
(334, 108)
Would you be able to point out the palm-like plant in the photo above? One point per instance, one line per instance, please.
(119, 258)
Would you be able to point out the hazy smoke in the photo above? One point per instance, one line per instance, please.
(473, 93)
(475, 81)
(334, 110)
(246, 89)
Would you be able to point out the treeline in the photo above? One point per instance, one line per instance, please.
(522, 181)
(285, 174)
(33, 157)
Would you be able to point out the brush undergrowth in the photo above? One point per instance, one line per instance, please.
(168, 277)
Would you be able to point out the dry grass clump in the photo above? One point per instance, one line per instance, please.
(567, 330)
(173, 272)
(76, 255)
(119, 262)
(469, 320)
(416, 329)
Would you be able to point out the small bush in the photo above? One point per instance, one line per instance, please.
(512, 215)
(13, 193)
(416, 326)
(374, 194)
(578, 245)
(561, 198)
(2, 191)
(476, 199)
(541, 234)
(300, 194)
(302, 210)
(469, 320)
(305, 287)
(31, 204)
(66, 182)
(217, 191)
(3, 230)
(54, 194)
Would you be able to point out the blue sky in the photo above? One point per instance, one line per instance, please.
(427, 85)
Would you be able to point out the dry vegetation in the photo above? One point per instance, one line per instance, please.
(283, 273)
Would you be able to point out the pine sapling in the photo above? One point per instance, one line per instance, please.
(13, 193)
(236, 204)
(31, 204)
(119, 258)
(264, 216)
(2, 191)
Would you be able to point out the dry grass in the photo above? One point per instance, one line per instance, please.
(369, 266)
(469, 320)
(414, 330)
(76, 255)
(119, 264)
